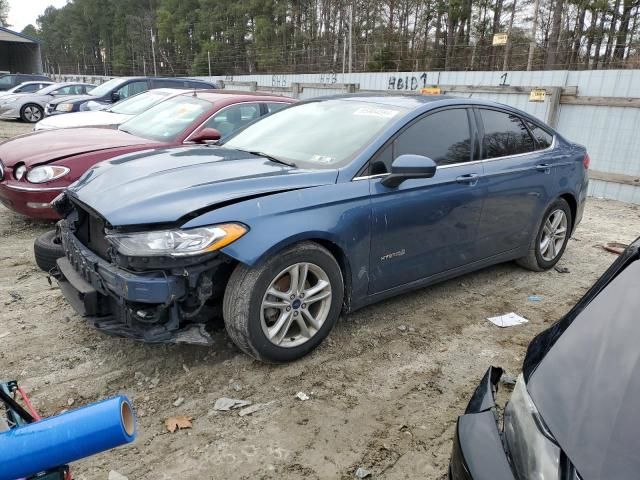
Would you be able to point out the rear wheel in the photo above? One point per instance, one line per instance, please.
(283, 309)
(31, 113)
(47, 249)
(549, 244)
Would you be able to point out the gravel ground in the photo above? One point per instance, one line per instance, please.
(385, 388)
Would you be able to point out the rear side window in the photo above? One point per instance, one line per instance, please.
(167, 83)
(32, 87)
(443, 136)
(504, 135)
(274, 107)
(543, 138)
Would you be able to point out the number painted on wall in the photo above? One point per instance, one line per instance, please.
(328, 78)
(414, 81)
(278, 81)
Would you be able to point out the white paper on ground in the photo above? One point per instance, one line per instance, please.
(508, 320)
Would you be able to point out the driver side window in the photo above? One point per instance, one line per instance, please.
(131, 89)
(444, 136)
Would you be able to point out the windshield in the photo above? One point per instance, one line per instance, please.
(167, 120)
(323, 134)
(102, 90)
(139, 103)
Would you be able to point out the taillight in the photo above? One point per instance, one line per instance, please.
(586, 161)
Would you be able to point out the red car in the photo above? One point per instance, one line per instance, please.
(36, 167)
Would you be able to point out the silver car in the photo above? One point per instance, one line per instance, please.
(29, 107)
(113, 116)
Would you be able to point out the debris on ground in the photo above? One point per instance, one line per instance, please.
(534, 298)
(302, 396)
(113, 475)
(507, 320)
(615, 247)
(225, 404)
(178, 422)
(5, 334)
(178, 402)
(362, 472)
(254, 408)
(561, 269)
(402, 328)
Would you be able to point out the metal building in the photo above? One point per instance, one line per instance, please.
(19, 53)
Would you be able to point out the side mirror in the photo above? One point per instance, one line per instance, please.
(115, 97)
(409, 166)
(206, 135)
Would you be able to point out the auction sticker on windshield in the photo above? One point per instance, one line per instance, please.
(375, 112)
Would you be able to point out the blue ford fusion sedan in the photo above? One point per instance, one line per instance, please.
(320, 208)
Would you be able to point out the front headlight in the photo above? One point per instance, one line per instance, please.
(46, 173)
(534, 453)
(177, 243)
(64, 107)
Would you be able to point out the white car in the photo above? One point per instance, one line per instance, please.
(26, 87)
(113, 116)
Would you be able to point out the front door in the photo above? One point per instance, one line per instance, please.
(426, 226)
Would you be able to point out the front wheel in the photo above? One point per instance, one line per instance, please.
(283, 309)
(31, 113)
(551, 239)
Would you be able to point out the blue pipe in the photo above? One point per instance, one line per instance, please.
(65, 438)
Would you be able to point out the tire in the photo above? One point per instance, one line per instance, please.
(31, 113)
(540, 259)
(249, 322)
(47, 249)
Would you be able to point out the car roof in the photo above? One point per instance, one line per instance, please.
(415, 101)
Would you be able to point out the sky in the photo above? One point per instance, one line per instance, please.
(24, 12)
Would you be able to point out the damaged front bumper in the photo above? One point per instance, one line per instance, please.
(478, 451)
(146, 306)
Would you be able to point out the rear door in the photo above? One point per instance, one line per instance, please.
(426, 226)
(518, 174)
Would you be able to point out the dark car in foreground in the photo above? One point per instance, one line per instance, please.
(118, 89)
(36, 167)
(573, 413)
(325, 206)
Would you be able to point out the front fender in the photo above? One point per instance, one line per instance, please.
(336, 213)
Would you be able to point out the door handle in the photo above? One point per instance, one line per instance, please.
(544, 167)
(469, 179)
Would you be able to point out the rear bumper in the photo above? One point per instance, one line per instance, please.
(478, 452)
(27, 201)
(142, 306)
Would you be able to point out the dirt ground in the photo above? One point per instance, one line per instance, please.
(385, 388)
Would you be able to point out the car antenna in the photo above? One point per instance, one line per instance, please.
(195, 94)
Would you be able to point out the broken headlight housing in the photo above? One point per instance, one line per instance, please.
(177, 242)
(535, 455)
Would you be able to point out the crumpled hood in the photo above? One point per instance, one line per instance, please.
(587, 386)
(83, 119)
(43, 147)
(165, 185)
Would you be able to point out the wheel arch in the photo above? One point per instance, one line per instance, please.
(573, 206)
(324, 239)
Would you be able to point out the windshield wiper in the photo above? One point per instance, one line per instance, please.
(268, 157)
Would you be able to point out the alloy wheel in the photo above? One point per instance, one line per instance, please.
(32, 114)
(554, 233)
(296, 305)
